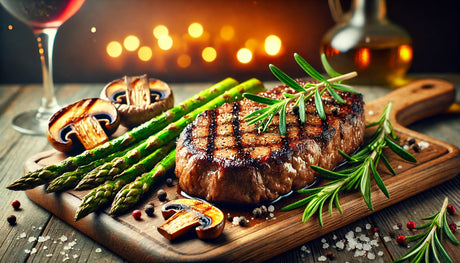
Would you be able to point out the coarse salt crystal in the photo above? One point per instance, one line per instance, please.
(271, 208)
(45, 247)
(322, 259)
(323, 240)
(63, 238)
(272, 215)
(395, 227)
(370, 113)
(340, 245)
(49, 255)
(33, 251)
(23, 235)
(27, 251)
(98, 250)
(380, 253)
(358, 229)
(406, 147)
(368, 226)
(325, 245)
(423, 145)
(359, 253)
(32, 239)
(334, 237)
(75, 256)
(386, 238)
(370, 255)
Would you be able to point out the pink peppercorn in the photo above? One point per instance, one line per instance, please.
(411, 224)
(16, 205)
(451, 209)
(453, 227)
(137, 214)
(401, 240)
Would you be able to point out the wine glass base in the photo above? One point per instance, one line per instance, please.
(31, 123)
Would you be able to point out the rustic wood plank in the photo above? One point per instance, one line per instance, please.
(240, 243)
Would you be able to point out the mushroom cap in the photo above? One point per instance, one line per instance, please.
(134, 115)
(61, 130)
(212, 219)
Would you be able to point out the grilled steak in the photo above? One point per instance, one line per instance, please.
(223, 159)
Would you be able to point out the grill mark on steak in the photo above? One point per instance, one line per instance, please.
(211, 135)
(223, 159)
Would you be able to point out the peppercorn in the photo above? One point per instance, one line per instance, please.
(169, 182)
(257, 212)
(330, 255)
(229, 217)
(137, 214)
(162, 195)
(451, 209)
(411, 224)
(417, 148)
(242, 221)
(16, 205)
(149, 209)
(11, 220)
(401, 240)
(453, 227)
(263, 209)
(411, 141)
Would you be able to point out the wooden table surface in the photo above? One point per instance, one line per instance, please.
(41, 237)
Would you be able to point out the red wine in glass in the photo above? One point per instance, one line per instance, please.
(44, 17)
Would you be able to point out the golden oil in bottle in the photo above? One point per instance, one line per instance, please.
(377, 64)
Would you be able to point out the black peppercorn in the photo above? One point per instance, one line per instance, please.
(149, 209)
(242, 221)
(229, 217)
(411, 141)
(263, 209)
(169, 182)
(162, 195)
(11, 220)
(257, 212)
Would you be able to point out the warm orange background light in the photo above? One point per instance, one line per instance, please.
(131, 43)
(114, 49)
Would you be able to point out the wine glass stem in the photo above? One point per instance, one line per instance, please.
(45, 40)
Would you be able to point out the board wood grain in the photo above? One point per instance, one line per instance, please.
(139, 241)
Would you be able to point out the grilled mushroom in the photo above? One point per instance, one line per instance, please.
(84, 124)
(184, 215)
(138, 99)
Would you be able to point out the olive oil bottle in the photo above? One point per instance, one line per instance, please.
(365, 41)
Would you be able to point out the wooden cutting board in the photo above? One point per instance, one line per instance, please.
(139, 241)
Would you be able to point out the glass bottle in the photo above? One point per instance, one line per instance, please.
(365, 41)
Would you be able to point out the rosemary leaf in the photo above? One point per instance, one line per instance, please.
(319, 105)
(285, 78)
(308, 68)
(335, 95)
(301, 103)
(260, 99)
(329, 70)
(282, 120)
(344, 88)
(388, 165)
(400, 151)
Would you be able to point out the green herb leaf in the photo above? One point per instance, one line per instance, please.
(260, 99)
(286, 79)
(330, 71)
(400, 151)
(308, 68)
(319, 105)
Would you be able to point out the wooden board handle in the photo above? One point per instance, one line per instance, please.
(415, 101)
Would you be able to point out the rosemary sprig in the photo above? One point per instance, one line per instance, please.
(362, 166)
(430, 244)
(265, 115)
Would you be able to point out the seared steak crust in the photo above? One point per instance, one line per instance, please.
(223, 159)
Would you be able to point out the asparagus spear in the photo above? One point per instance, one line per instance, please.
(104, 193)
(167, 134)
(101, 195)
(48, 173)
(70, 179)
(131, 193)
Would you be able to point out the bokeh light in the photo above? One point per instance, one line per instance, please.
(145, 53)
(131, 43)
(114, 49)
(227, 32)
(209, 54)
(405, 52)
(272, 45)
(165, 42)
(195, 30)
(184, 61)
(160, 31)
(244, 55)
(93, 29)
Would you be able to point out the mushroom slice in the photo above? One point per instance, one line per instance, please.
(138, 98)
(84, 124)
(184, 215)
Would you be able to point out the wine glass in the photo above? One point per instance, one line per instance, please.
(44, 17)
